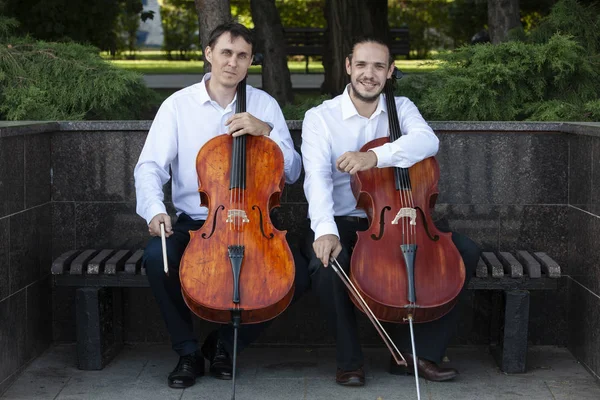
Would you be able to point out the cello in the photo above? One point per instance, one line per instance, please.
(402, 269)
(238, 267)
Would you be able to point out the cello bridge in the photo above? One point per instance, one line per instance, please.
(234, 214)
(406, 212)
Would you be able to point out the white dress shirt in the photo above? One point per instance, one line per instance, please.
(335, 127)
(184, 123)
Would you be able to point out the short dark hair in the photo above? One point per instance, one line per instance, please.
(235, 30)
(370, 39)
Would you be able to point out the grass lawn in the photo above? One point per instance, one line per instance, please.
(296, 67)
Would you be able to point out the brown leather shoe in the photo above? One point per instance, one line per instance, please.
(350, 378)
(427, 369)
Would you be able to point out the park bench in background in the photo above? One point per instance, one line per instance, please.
(308, 42)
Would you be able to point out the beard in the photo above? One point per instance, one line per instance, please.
(366, 99)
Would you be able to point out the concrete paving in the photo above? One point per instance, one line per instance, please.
(157, 81)
(140, 372)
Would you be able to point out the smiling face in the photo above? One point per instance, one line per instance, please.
(230, 59)
(369, 68)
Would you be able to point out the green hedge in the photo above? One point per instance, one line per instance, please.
(65, 81)
(552, 74)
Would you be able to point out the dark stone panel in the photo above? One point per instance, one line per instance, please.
(580, 174)
(584, 325)
(4, 259)
(109, 225)
(477, 221)
(595, 197)
(12, 193)
(548, 316)
(584, 252)
(294, 193)
(63, 228)
(535, 228)
(30, 246)
(39, 317)
(95, 166)
(293, 219)
(142, 320)
(474, 318)
(501, 168)
(12, 333)
(37, 170)
(63, 314)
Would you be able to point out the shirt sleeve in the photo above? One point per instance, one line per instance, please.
(292, 163)
(318, 182)
(416, 144)
(152, 170)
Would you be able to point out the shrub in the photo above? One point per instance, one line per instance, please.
(551, 75)
(65, 81)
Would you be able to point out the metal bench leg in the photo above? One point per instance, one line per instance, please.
(511, 353)
(99, 326)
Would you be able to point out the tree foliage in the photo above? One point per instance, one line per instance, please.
(180, 27)
(551, 75)
(64, 81)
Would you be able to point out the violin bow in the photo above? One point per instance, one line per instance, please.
(164, 247)
(380, 329)
(400, 360)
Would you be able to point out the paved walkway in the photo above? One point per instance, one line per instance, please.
(299, 81)
(140, 372)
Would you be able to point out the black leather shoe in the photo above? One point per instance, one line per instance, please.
(187, 370)
(427, 369)
(220, 362)
(350, 378)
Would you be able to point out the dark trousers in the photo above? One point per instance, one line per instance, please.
(431, 339)
(167, 291)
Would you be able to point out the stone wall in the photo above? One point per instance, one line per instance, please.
(508, 186)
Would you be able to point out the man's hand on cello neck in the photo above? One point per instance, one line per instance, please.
(247, 124)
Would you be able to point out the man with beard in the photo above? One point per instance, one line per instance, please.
(184, 123)
(332, 135)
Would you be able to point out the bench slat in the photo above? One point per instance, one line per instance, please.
(530, 265)
(494, 265)
(481, 271)
(96, 264)
(116, 262)
(551, 268)
(511, 265)
(132, 266)
(80, 263)
(63, 261)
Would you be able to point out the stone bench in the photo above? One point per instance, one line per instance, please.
(99, 326)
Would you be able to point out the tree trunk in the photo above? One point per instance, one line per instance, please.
(346, 21)
(503, 15)
(211, 13)
(379, 19)
(269, 37)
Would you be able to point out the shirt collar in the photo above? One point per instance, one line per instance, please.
(204, 96)
(348, 109)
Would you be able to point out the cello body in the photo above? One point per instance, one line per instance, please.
(238, 261)
(402, 265)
